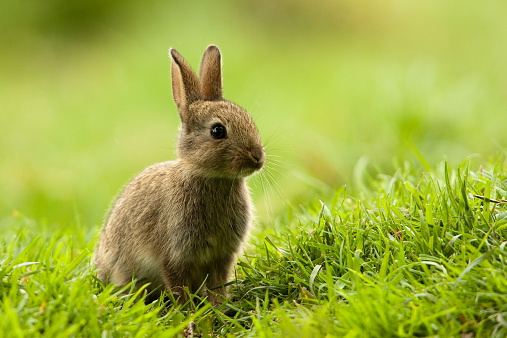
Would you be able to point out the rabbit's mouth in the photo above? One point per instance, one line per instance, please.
(251, 163)
(254, 159)
(253, 168)
(248, 171)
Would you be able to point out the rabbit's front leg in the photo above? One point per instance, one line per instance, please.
(218, 276)
(176, 280)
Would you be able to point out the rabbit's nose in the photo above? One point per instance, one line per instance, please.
(257, 155)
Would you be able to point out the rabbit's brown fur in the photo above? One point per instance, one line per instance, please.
(182, 223)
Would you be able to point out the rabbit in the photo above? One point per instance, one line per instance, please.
(180, 224)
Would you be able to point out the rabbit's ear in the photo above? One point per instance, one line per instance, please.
(211, 74)
(185, 83)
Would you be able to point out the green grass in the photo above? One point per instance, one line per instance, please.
(417, 253)
(343, 92)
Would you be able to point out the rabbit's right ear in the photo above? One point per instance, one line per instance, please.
(186, 87)
(211, 74)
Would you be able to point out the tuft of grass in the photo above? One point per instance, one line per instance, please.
(417, 253)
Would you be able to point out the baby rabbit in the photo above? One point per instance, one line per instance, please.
(182, 223)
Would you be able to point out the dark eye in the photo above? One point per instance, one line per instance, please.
(218, 131)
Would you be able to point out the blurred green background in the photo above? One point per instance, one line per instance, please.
(85, 97)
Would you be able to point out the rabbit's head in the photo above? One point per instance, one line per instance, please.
(217, 138)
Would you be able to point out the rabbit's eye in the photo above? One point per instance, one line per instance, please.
(218, 131)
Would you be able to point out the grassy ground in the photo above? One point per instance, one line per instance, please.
(343, 93)
(418, 253)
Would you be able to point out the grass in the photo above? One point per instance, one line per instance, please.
(417, 253)
(338, 90)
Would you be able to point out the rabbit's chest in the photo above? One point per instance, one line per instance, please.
(215, 230)
(205, 222)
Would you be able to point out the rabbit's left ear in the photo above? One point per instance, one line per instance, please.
(211, 74)
(186, 87)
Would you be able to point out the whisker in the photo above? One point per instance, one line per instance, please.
(272, 183)
(277, 134)
(278, 169)
(276, 157)
(275, 184)
(278, 150)
(277, 164)
(275, 167)
(267, 200)
(270, 163)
